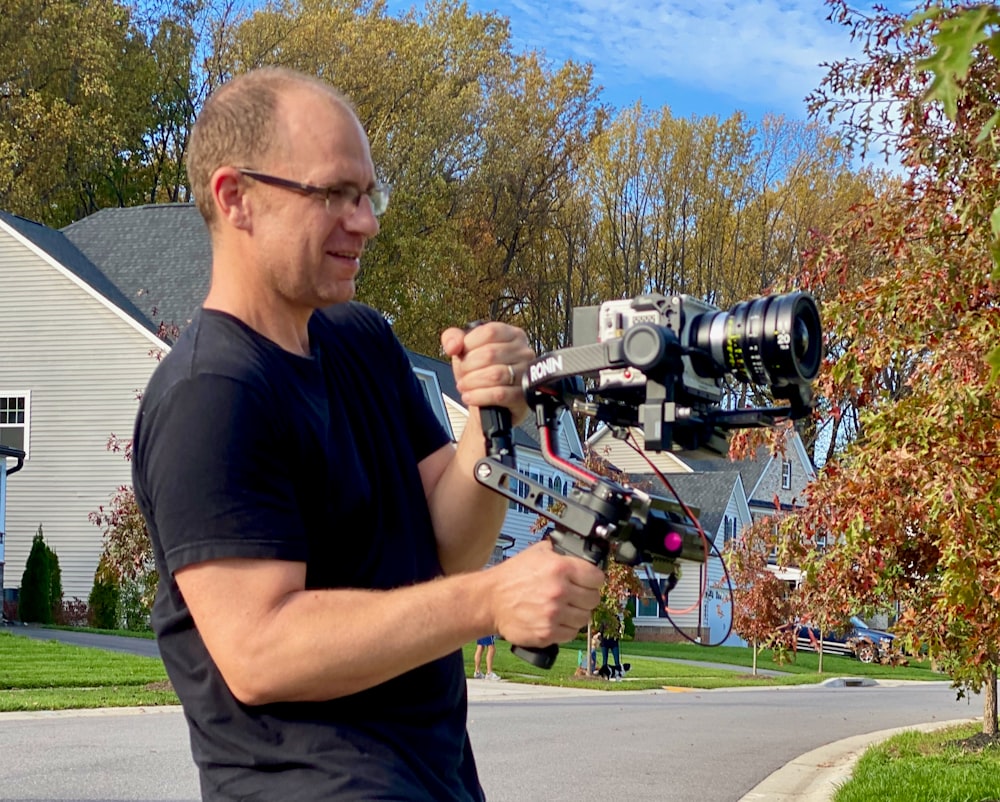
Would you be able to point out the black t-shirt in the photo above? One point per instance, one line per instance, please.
(243, 449)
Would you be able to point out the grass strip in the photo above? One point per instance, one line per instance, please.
(31, 663)
(927, 766)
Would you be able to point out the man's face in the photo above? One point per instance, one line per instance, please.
(310, 246)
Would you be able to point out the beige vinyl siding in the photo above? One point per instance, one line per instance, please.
(84, 366)
(457, 416)
(626, 459)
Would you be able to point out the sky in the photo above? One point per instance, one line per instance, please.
(699, 57)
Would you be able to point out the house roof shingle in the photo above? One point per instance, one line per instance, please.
(707, 492)
(158, 255)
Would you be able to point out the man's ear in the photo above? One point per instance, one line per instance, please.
(231, 200)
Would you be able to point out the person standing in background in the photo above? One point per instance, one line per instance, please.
(489, 646)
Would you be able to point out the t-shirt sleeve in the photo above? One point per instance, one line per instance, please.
(210, 472)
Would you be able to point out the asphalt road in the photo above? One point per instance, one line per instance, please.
(530, 745)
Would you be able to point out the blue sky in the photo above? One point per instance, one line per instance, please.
(698, 57)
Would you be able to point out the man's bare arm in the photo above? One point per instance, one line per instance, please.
(273, 640)
(488, 362)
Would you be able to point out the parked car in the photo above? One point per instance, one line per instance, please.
(855, 639)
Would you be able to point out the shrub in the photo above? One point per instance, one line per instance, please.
(74, 613)
(55, 585)
(133, 609)
(41, 583)
(103, 600)
(629, 622)
(119, 603)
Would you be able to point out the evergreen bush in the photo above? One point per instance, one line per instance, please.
(103, 600)
(41, 584)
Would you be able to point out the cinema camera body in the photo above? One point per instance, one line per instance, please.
(655, 362)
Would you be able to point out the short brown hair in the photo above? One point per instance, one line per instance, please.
(238, 126)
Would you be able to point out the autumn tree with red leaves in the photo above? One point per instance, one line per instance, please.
(911, 508)
(761, 602)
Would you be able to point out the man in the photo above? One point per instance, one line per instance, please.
(318, 537)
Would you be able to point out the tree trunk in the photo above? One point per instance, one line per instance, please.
(990, 704)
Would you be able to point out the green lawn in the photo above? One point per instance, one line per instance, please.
(46, 675)
(926, 766)
(655, 665)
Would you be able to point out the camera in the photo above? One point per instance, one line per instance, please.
(656, 362)
(659, 361)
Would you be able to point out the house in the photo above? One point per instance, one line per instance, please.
(74, 354)
(17, 457)
(80, 310)
(727, 497)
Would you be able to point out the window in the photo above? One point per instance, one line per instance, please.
(14, 416)
(786, 475)
(729, 530)
(647, 605)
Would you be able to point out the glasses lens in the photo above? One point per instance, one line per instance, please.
(379, 196)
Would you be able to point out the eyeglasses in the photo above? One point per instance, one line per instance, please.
(337, 195)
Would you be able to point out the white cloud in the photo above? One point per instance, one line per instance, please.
(756, 51)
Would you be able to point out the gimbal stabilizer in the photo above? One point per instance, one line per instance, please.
(598, 520)
(653, 367)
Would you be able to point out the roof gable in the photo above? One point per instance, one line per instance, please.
(63, 255)
(158, 255)
(709, 493)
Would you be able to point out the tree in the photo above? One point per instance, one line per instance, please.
(912, 508)
(961, 39)
(40, 597)
(127, 556)
(63, 65)
(760, 601)
(102, 604)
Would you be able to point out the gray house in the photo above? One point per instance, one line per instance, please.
(80, 310)
(74, 354)
(727, 496)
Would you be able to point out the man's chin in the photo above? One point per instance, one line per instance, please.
(340, 293)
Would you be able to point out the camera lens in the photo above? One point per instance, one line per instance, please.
(774, 340)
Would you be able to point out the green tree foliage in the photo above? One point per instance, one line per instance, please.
(102, 604)
(912, 508)
(61, 66)
(40, 596)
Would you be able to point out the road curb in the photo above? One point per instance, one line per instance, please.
(816, 775)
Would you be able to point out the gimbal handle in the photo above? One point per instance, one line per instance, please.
(592, 551)
(497, 424)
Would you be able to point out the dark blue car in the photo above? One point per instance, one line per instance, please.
(856, 639)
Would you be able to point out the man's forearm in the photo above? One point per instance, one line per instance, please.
(283, 645)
